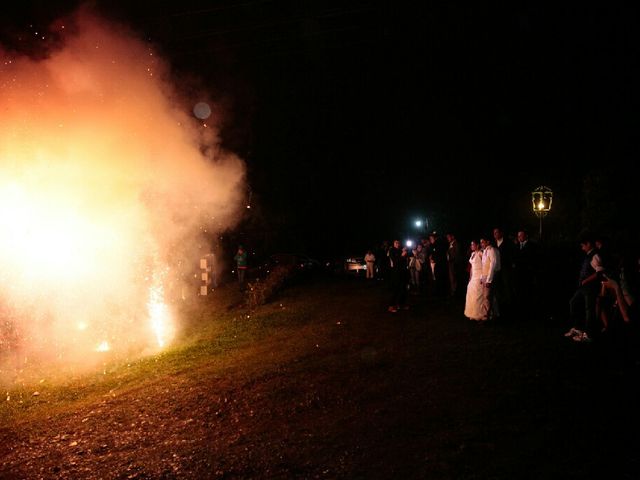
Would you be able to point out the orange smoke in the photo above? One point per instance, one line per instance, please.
(104, 190)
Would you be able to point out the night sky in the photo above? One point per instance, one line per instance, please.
(356, 117)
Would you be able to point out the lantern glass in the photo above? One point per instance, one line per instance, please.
(541, 199)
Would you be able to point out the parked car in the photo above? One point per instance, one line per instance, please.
(298, 261)
(355, 265)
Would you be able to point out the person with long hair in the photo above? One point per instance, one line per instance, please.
(475, 296)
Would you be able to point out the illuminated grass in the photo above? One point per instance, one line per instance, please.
(211, 336)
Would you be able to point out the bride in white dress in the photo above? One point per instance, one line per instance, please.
(473, 304)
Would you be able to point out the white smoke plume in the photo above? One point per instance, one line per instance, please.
(107, 182)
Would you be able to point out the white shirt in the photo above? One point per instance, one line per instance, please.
(490, 263)
(596, 262)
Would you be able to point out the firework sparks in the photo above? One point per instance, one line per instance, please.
(159, 314)
(101, 174)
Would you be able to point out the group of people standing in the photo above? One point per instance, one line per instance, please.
(502, 279)
(605, 298)
(502, 276)
(497, 273)
(434, 266)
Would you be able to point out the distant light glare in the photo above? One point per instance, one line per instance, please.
(418, 223)
(409, 243)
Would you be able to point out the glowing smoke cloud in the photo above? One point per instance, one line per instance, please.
(104, 189)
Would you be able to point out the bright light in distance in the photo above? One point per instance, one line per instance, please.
(418, 223)
(409, 243)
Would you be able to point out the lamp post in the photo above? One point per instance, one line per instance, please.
(422, 225)
(541, 199)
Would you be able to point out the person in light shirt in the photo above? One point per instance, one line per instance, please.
(415, 267)
(490, 270)
(370, 260)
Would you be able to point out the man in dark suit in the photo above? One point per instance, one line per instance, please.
(438, 254)
(504, 287)
(524, 269)
(398, 276)
(456, 260)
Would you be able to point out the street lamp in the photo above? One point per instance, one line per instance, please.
(541, 199)
(422, 225)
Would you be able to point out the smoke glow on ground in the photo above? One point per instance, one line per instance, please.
(107, 181)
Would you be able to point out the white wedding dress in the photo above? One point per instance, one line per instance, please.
(473, 304)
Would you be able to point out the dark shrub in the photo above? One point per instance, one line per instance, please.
(262, 291)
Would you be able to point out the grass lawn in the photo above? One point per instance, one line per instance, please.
(324, 383)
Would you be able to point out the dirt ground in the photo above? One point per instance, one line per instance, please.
(352, 391)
